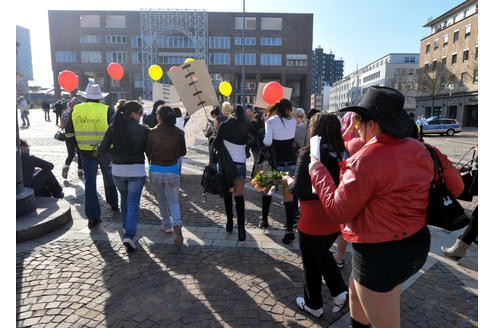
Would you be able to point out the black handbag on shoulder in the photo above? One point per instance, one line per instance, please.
(212, 181)
(444, 211)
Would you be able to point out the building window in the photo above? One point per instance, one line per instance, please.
(115, 21)
(444, 61)
(465, 55)
(454, 59)
(176, 42)
(85, 39)
(168, 58)
(463, 79)
(296, 60)
(271, 23)
(475, 76)
(219, 42)
(434, 65)
(116, 39)
(136, 41)
(427, 67)
(271, 41)
(445, 40)
(117, 57)
(435, 44)
(249, 59)
(219, 58)
(271, 60)
(456, 36)
(427, 48)
(467, 31)
(137, 57)
(250, 23)
(248, 41)
(91, 57)
(89, 21)
(65, 57)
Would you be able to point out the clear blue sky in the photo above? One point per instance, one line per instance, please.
(357, 31)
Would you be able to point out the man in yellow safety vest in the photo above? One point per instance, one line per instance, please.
(88, 124)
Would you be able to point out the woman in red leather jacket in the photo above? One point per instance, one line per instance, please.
(381, 203)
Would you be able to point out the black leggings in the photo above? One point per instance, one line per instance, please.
(471, 232)
(318, 262)
(72, 151)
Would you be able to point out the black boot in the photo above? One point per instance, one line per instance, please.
(265, 209)
(290, 214)
(240, 211)
(357, 324)
(227, 200)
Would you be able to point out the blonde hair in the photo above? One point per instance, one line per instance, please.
(119, 104)
(299, 112)
(227, 108)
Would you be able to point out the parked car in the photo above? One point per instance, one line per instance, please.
(441, 125)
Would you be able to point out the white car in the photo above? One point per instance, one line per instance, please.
(441, 125)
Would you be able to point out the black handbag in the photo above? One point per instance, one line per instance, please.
(212, 181)
(444, 211)
(60, 135)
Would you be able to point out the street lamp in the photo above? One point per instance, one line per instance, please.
(450, 87)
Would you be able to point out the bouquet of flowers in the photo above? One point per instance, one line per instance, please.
(267, 181)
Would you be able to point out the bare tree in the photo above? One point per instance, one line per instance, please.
(434, 80)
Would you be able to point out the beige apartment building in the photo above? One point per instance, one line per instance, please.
(450, 55)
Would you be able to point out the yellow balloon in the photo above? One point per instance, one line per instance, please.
(188, 60)
(155, 72)
(225, 88)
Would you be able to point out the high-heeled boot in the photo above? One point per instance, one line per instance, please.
(240, 211)
(456, 251)
(265, 209)
(229, 211)
(290, 214)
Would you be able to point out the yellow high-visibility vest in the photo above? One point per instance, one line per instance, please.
(90, 124)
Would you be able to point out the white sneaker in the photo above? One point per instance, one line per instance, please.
(302, 305)
(129, 244)
(340, 301)
(166, 229)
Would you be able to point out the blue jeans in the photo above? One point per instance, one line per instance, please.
(286, 168)
(90, 168)
(166, 186)
(130, 189)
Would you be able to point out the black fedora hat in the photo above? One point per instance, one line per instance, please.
(385, 106)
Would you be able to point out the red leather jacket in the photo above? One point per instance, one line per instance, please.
(384, 191)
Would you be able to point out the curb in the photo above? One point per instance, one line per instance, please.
(50, 214)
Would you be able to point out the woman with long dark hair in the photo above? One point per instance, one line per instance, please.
(128, 139)
(316, 232)
(233, 136)
(165, 146)
(280, 130)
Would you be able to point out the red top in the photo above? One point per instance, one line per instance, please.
(314, 220)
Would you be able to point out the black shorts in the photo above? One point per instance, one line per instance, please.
(382, 266)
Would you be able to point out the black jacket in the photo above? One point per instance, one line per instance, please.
(129, 142)
(29, 163)
(301, 187)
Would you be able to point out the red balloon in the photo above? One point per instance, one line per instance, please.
(68, 80)
(273, 92)
(115, 71)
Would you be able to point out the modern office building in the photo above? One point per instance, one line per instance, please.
(24, 61)
(396, 70)
(325, 70)
(276, 47)
(450, 55)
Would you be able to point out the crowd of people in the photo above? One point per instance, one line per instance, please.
(364, 188)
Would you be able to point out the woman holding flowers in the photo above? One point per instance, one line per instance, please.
(280, 130)
(317, 232)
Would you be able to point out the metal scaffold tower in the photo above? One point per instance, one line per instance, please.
(156, 23)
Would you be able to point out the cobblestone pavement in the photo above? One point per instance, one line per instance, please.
(77, 278)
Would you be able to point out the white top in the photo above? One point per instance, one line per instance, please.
(179, 122)
(237, 152)
(275, 129)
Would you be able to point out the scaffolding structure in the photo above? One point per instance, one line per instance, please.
(156, 23)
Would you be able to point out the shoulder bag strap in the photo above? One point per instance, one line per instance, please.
(437, 165)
